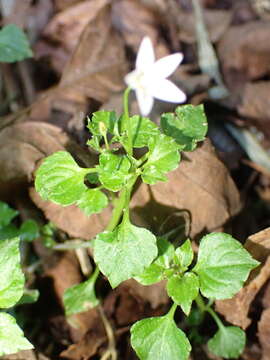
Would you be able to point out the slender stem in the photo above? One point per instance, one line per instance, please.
(207, 308)
(215, 317)
(95, 273)
(172, 311)
(117, 211)
(71, 245)
(127, 120)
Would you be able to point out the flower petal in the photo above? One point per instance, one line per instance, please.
(145, 102)
(146, 55)
(165, 66)
(165, 90)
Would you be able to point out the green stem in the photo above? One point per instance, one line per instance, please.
(117, 211)
(207, 308)
(171, 312)
(95, 274)
(127, 120)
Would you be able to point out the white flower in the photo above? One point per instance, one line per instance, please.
(149, 79)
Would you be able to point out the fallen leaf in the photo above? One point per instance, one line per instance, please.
(134, 21)
(264, 334)
(22, 145)
(71, 219)
(236, 310)
(217, 22)
(244, 53)
(255, 104)
(200, 186)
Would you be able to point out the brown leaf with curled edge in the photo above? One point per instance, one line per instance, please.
(244, 52)
(98, 65)
(236, 310)
(63, 32)
(201, 186)
(264, 334)
(22, 145)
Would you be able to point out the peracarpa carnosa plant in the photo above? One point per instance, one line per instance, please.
(123, 250)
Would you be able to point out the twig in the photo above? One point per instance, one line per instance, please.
(83, 258)
(71, 245)
(207, 58)
(111, 352)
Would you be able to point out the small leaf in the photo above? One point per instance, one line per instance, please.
(163, 157)
(183, 290)
(81, 297)
(228, 342)
(11, 276)
(6, 214)
(113, 171)
(187, 126)
(184, 254)
(29, 230)
(142, 130)
(222, 266)
(154, 273)
(14, 45)
(60, 179)
(30, 296)
(125, 252)
(12, 339)
(93, 201)
(158, 338)
(107, 118)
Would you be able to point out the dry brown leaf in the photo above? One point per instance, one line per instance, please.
(133, 20)
(217, 22)
(155, 294)
(22, 145)
(201, 186)
(71, 219)
(255, 104)
(236, 309)
(244, 52)
(264, 334)
(63, 4)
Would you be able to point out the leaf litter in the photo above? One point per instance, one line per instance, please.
(82, 50)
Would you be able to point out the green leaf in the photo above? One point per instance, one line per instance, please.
(93, 201)
(113, 171)
(94, 143)
(158, 338)
(14, 45)
(8, 232)
(183, 290)
(163, 157)
(6, 214)
(222, 266)
(187, 126)
(101, 122)
(60, 179)
(125, 252)
(184, 254)
(12, 339)
(81, 297)
(142, 130)
(155, 272)
(30, 296)
(229, 342)
(29, 230)
(11, 276)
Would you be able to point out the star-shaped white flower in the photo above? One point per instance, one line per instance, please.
(149, 79)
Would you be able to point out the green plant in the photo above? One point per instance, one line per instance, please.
(125, 251)
(12, 278)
